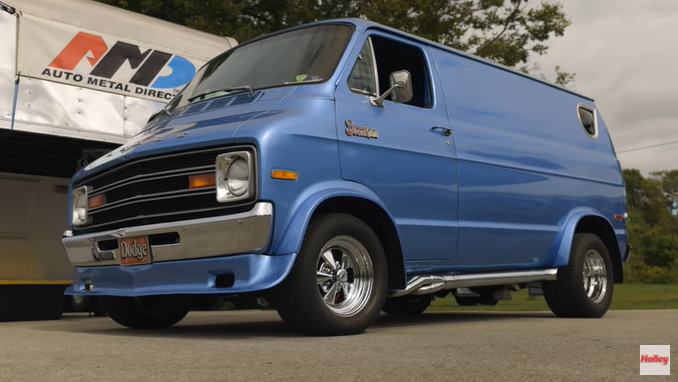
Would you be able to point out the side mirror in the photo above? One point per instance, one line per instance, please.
(403, 93)
(401, 88)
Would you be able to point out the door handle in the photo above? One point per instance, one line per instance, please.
(447, 132)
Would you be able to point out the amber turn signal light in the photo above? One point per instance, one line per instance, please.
(201, 181)
(95, 201)
(284, 175)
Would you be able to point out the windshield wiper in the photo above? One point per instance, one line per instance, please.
(162, 111)
(229, 89)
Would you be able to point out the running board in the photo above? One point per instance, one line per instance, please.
(428, 284)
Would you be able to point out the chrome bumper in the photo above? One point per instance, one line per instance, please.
(193, 239)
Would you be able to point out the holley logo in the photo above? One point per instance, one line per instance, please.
(107, 61)
(655, 360)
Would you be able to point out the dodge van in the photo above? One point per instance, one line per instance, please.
(342, 169)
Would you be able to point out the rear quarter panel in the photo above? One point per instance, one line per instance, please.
(525, 164)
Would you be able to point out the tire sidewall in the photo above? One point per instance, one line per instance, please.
(585, 243)
(126, 312)
(344, 225)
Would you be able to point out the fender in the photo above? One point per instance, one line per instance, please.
(308, 202)
(563, 242)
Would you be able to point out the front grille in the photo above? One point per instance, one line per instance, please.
(156, 190)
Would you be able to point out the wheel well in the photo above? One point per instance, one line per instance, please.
(601, 228)
(382, 225)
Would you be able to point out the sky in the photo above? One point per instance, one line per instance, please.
(625, 56)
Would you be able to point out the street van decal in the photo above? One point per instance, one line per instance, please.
(354, 131)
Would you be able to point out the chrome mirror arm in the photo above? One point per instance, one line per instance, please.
(379, 101)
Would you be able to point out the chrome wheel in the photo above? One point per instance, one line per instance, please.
(595, 276)
(345, 276)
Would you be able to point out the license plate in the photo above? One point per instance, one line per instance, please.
(134, 250)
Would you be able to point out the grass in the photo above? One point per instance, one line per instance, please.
(625, 297)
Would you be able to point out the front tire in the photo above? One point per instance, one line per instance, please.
(338, 283)
(145, 313)
(584, 287)
(86, 304)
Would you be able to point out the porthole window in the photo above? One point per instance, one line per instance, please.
(587, 118)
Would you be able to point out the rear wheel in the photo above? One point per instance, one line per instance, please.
(339, 280)
(584, 287)
(146, 313)
(407, 305)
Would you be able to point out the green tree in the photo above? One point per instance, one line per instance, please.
(647, 196)
(669, 185)
(505, 31)
(653, 229)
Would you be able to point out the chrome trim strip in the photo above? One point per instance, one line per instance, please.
(200, 238)
(153, 176)
(180, 212)
(151, 159)
(374, 67)
(427, 284)
(151, 197)
(595, 119)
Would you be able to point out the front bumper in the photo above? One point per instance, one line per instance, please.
(246, 273)
(247, 232)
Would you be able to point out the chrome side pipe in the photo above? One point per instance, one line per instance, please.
(427, 284)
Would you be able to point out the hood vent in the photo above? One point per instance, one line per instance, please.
(238, 99)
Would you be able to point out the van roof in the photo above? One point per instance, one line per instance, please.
(365, 24)
(95, 16)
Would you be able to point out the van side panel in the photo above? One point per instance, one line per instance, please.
(525, 163)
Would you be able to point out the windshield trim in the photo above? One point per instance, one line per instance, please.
(277, 33)
(352, 29)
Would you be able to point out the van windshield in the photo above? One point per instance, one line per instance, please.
(304, 56)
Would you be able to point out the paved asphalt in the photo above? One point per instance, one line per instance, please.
(256, 346)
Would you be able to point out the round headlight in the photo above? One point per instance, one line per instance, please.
(238, 177)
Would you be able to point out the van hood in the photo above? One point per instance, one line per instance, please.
(203, 124)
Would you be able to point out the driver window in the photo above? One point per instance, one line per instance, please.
(362, 79)
(379, 57)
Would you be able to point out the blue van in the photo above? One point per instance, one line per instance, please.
(343, 168)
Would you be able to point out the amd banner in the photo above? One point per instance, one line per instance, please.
(63, 53)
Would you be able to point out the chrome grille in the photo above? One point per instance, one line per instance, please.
(155, 190)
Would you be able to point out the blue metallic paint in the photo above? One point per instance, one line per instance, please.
(251, 272)
(518, 196)
(411, 167)
(559, 256)
(212, 128)
(306, 203)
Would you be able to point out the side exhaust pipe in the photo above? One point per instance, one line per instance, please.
(427, 284)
